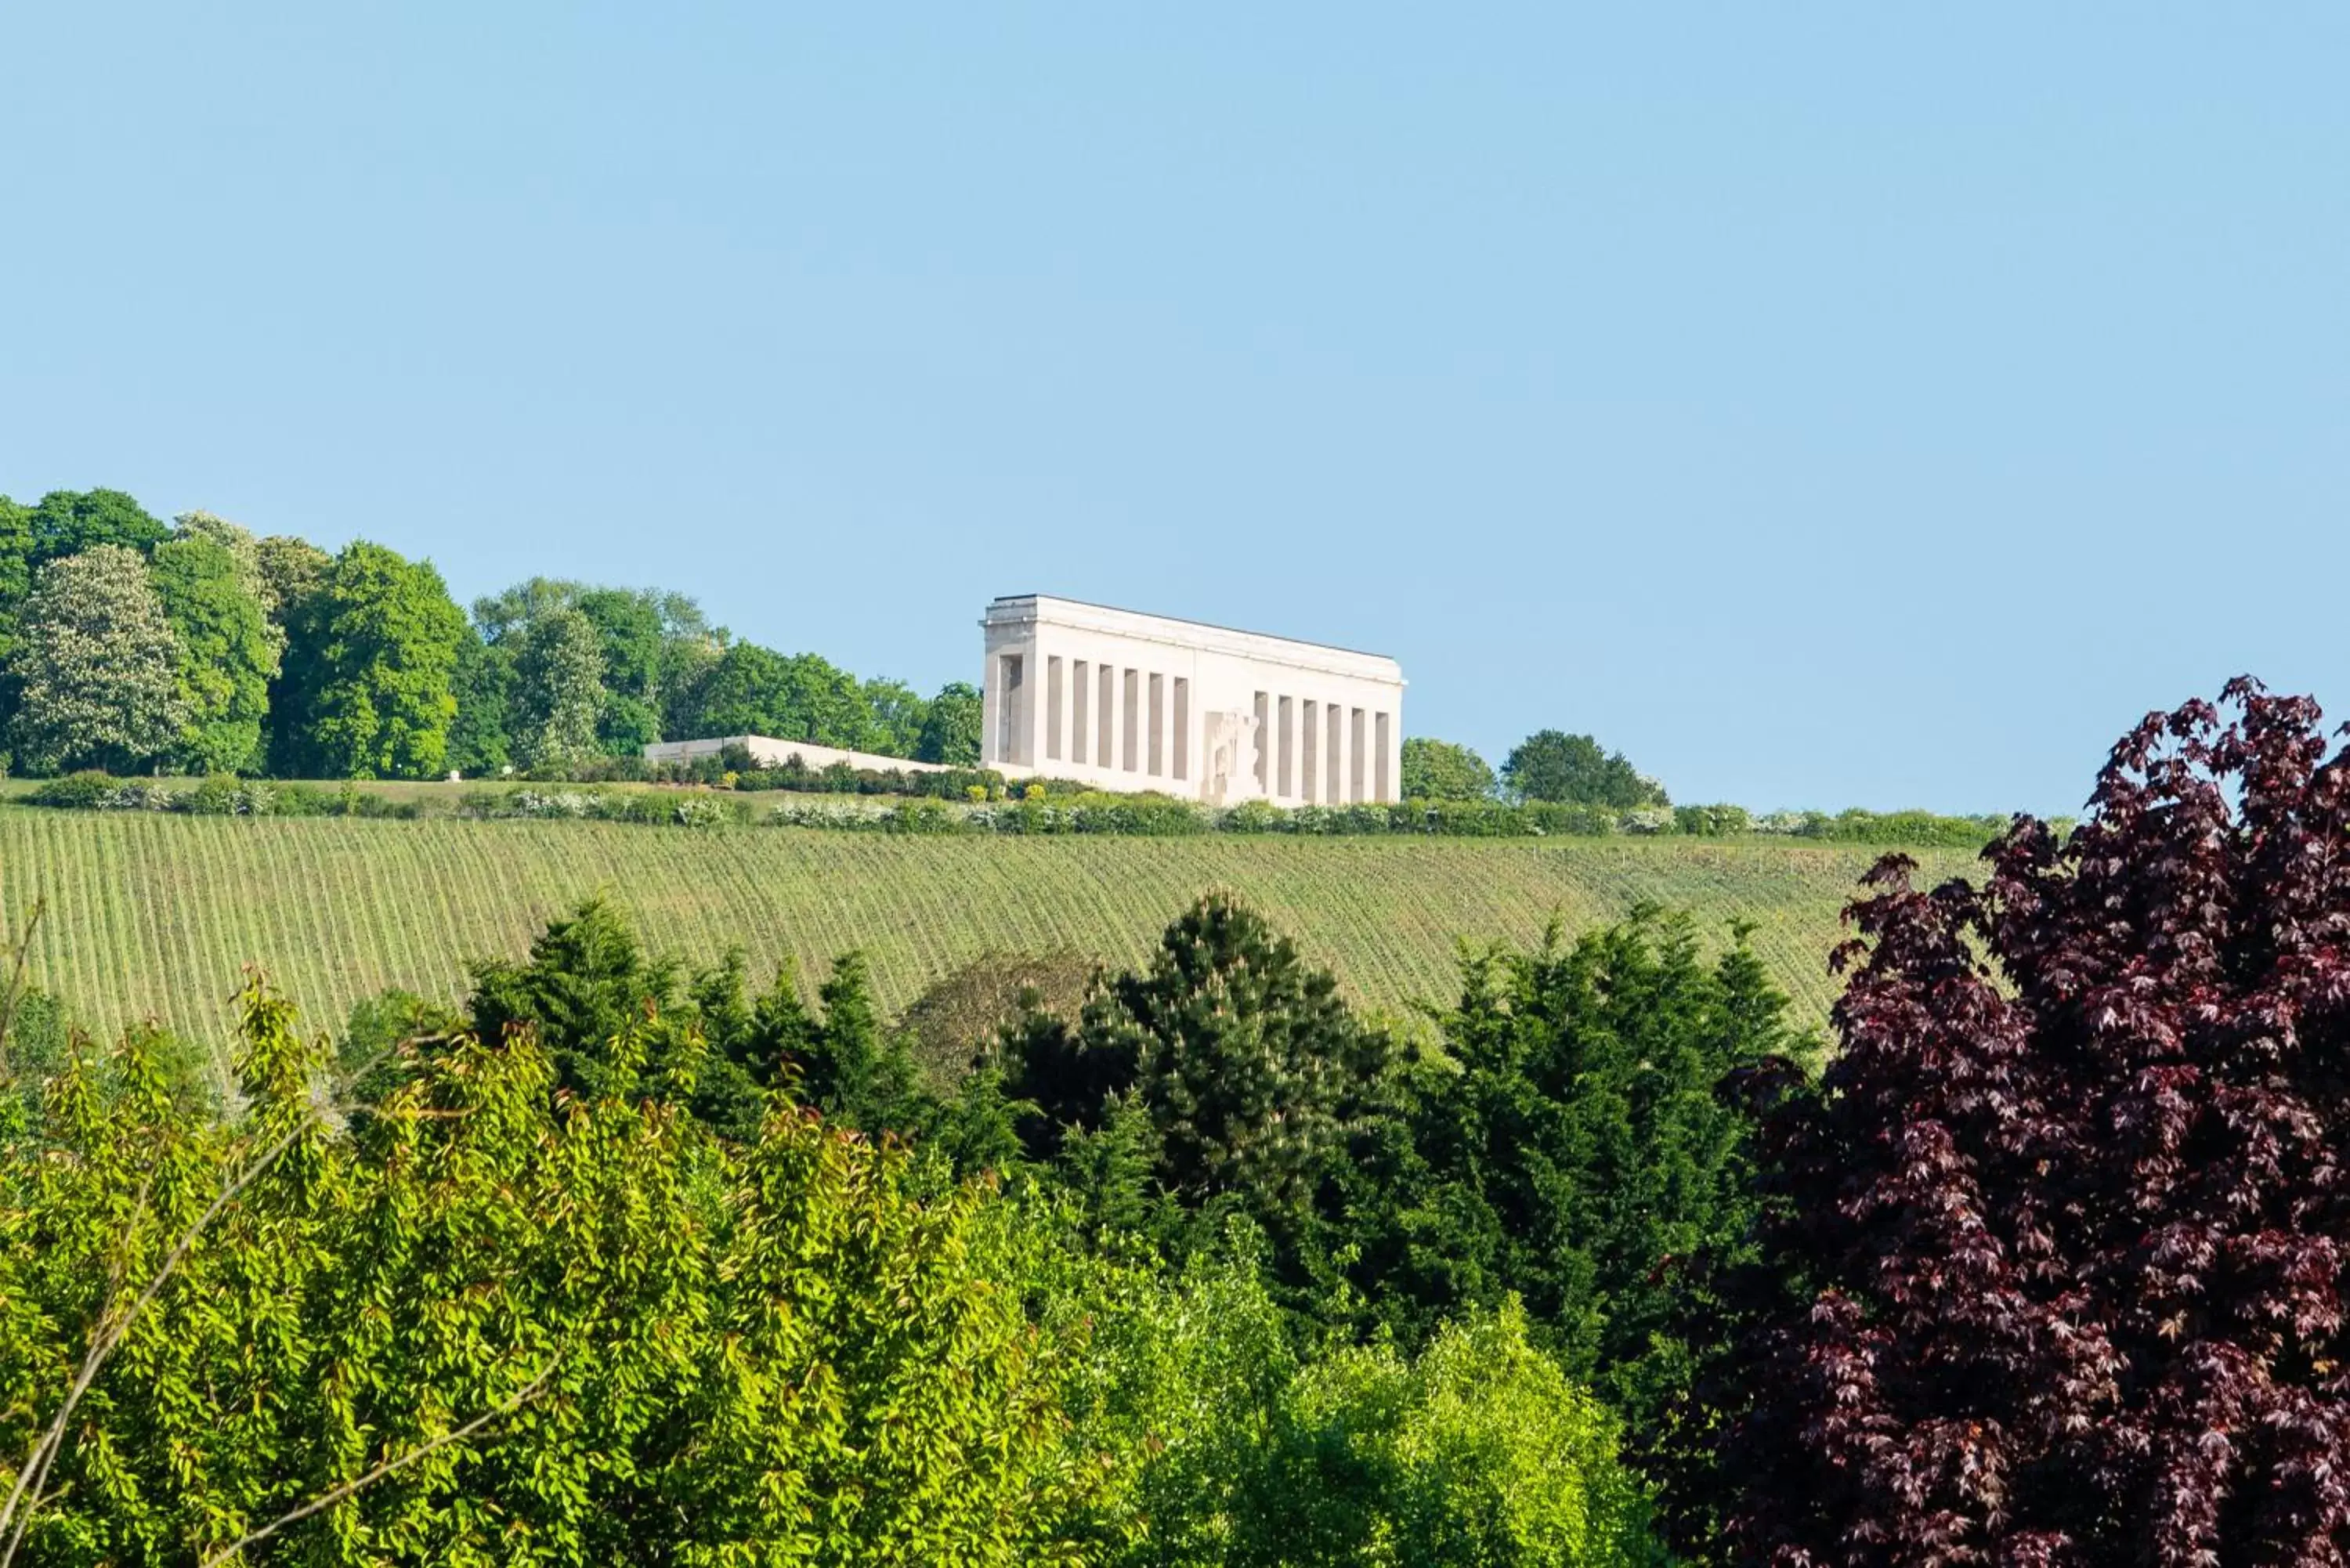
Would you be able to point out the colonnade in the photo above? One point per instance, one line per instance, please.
(1323, 753)
(1113, 716)
(1094, 714)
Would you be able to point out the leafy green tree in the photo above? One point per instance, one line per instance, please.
(238, 541)
(370, 655)
(16, 566)
(852, 1068)
(1479, 1450)
(953, 727)
(558, 691)
(227, 652)
(1552, 766)
(895, 716)
(629, 635)
(1439, 770)
(687, 665)
(1235, 1450)
(482, 1324)
(482, 685)
(16, 582)
(505, 616)
(70, 521)
(1575, 1152)
(1247, 1059)
(290, 571)
(655, 647)
(821, 702)
(754, 690)
(94, 667)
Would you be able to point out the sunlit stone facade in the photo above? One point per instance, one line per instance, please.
(1130, 702)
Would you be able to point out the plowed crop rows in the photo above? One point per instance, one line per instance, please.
(155, 916)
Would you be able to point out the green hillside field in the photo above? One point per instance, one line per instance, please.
(156, 916)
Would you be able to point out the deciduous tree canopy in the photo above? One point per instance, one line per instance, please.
(2052, 1259)
(1438, 770)
(369, 659)
(95, 666)
(228, 651)
(1554, 766)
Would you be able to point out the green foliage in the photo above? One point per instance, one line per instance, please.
(1439, 770)
(16, 582)
(219, 794)
(1554, 766)
(238, 541)
(480, 743)
(228, 651)
(753, 691)
(290, 571)
(1479, 1451)
(69, 523)
(707, 1044)
(479, 1325)
(953, 727)
(687, 664)
(587, 982)
(649, 648)
(629, 634)
(1574, 1150)
(896, 715)
(1235, 1450)
(1245, 1055)
(370, 655)
(1251, 1071)
(95, 666)
(559, 694)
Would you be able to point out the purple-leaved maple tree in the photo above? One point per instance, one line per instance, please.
(2054, 1255)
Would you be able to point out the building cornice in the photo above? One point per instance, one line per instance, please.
(1016, 613)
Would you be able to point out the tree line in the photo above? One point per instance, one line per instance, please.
(132, 646)
(1549, 767)
(1193, 1263)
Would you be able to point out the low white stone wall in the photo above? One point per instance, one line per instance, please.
(767, 752)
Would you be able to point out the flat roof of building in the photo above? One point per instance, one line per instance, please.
(1185, 620)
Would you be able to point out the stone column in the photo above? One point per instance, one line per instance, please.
(1341, 761)
(991, 702)
(1309, 751)
(1115, 708)
(1060, 686)
(1162, 725)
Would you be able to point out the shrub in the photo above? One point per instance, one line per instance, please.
(1235, 1450)
(86, 790)
(1713, 821)
(702, 811)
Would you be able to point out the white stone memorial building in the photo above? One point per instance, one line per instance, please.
(1130, 702)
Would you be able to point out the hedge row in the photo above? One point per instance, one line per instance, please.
(220, 795)
(1163, 816)
(1035, 813)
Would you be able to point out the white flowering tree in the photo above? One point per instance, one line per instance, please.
(558, 691)
(95, 666)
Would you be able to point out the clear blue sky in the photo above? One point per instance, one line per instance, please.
(1826, 406)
